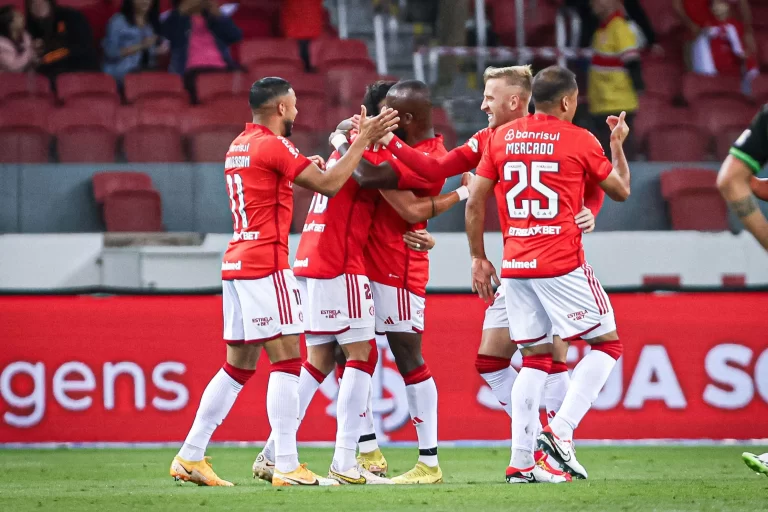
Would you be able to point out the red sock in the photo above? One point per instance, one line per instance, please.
(542, 362)
(239, 375)
(490, 364)
(339, 371)
(290, 366)
(612, 348)
(314, 372)
(558, 367)
(420, 374)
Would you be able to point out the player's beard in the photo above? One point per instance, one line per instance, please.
(287, 127)
(401, 134)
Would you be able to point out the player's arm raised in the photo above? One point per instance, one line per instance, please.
(733, 180)
(451, 164)
(414, 209)
(330, 182)
(616, 185)
(482, 269)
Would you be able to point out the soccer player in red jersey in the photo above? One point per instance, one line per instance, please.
(262, 301)
(506, 98)
(542, 162)
(338, 302)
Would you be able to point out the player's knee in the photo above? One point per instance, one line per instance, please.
(613, 348)
(490, 364)
(358, 351)
(373, 355)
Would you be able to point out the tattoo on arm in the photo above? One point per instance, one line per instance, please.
(743, 207)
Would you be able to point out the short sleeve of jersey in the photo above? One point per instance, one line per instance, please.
(752, 146)
(596, 164)
(487, 168)
(282, 156)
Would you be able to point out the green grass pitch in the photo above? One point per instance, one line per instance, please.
(621, 478)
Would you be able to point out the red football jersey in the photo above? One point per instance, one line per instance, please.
(542, 164)
(336, 231)
(388, 260)
(259, 172)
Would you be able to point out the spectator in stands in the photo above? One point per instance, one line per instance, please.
(634, 13)
(719, 47)
(17, 52)
(303, 21)
(697, 14)
(131, 43)
(62, 38)
(615, 76)
(200, 36)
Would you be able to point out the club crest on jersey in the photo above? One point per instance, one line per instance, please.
(372, 311)
(473, 144)
(262, 321)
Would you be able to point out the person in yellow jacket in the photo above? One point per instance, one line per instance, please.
(615, 76)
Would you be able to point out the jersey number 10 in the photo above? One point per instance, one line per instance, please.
(530, 207)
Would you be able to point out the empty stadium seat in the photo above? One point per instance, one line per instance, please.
(308, 85)
(310, 143)
(677, 143)
(138, 211)
(24, 86)
(346, 87)
(695, 86)
(312, 114)
(153, 144)
(286, 71)
(210, 129)
(662, 79)
(24, 145)
(725, 138)
(74, 85)
(715, 112)
(84, 135)
(107, 182)
(156, 90)
(211, 144)
(31, 113)
(654, 111)
(693, 199)
(760, 87)
(256, 52)
(212, 86)
(337, 53)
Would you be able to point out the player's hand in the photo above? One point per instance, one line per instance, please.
(355, 120)
(759, 187)
(619, 127)
(419, 240)
(467, 180)
(317, 160)
(483, 272)
(385, 140)
(334, 134)
(345, 126)
(374, 128)
(585, 220)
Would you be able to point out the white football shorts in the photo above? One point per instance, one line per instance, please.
(259, 310)
(339, 309)
(397, 309)
(496, 314)
(574, 306)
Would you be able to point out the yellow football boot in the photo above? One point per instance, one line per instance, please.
(300, 476)
(421, 474)
(199, 472)
(374, 462)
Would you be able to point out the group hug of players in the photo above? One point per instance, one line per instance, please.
(361, 268)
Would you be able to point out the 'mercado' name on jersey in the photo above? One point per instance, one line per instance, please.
(336, 231)
(259, 171)
(752, 146)
(542, 164)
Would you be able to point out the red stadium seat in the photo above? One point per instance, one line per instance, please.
(444, 127)
(662, 79)
(760, 87)
(31, 113)
(211, 144)
(694, 201)
(337, 53)
(695, 86)
(210, 129)
(724, 139)
(312, 114)
(153, 144)
(107, 182)
(310, 143)
(654, 112)
(257, 52)
(308, 85)
(286, 71)
(148, 85)
(212, 86)
(761, 39)
(24, 145)
(84, 135)
(73, 85)
(676, 143)
(302, 198)
(24, 86)
(346, 87)
(137, 211)
(716, 112)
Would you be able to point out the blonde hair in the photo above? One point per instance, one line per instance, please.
(521, 76)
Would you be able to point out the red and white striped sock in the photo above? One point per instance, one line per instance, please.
(526, 397)
(500, 376)
(588, 379)
(421, 391)
(218, 398)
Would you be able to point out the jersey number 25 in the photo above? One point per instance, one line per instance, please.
(530, 206)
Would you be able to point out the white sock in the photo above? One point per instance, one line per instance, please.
(351, 406)
(422, 404)
(588, 379)
(217, 400)
(308, 386)
(526, 397)
(283, 412)
(368, 442)
(501, 384)
(554, 392)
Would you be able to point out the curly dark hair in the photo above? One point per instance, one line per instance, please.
(374, 93)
